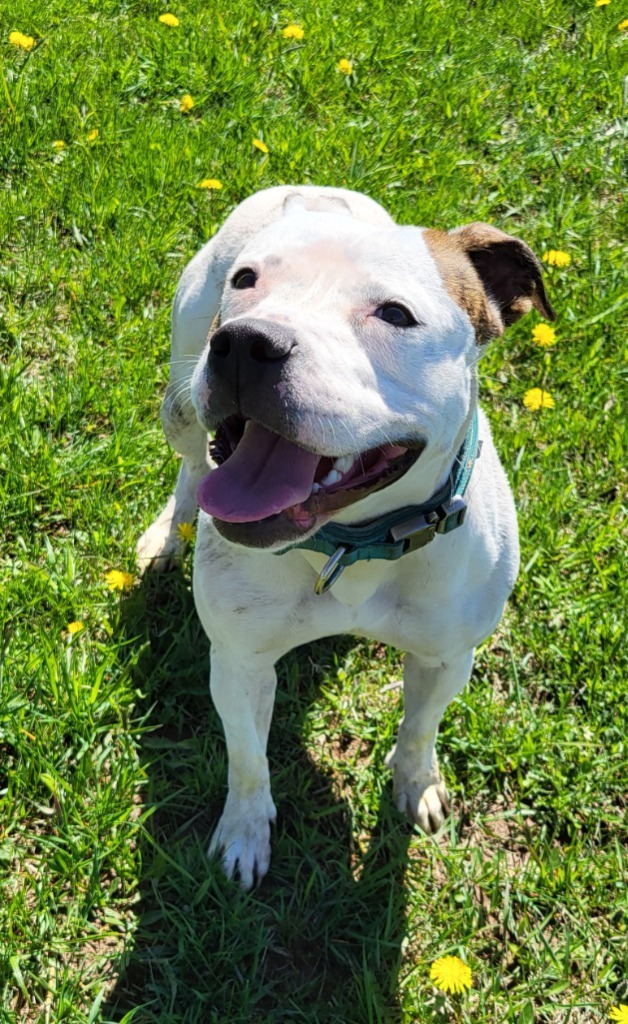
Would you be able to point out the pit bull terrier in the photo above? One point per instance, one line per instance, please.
(351, 485)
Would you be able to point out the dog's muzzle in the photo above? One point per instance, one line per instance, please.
(267, 489)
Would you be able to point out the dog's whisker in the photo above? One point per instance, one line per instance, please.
(182, 389)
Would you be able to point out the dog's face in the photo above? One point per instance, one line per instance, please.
(344, 359)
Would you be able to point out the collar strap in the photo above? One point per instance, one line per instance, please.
(395, 534)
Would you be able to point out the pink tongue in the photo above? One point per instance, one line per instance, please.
(265, 475)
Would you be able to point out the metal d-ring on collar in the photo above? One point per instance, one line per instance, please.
(396, 533)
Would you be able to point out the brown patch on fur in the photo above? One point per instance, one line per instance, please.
(494, 277)
(463, 283)
(509, 270)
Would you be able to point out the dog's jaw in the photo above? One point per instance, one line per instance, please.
(268, 491)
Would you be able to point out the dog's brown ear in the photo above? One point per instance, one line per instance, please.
(508, 269)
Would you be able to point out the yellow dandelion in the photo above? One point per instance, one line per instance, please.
(451, 974)
(344, 66)
(186, 531)
(186, 103)
(19, 39)
(263, 148)
(292, 32)
(623, 25)
(536, 398)
(58, 144)
(93, 135)
(117, 580)
(557, 258)
(168, 19)
(75, 627)
(619, 1013)
(544, 335)
(209, 183)
(602, 3)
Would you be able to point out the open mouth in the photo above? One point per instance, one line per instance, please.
(267, 489)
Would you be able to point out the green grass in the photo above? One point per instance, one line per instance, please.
(112, 762)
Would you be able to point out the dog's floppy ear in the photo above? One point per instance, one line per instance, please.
(508, 269)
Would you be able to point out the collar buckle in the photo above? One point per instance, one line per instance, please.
(419, 530)
(452, 514)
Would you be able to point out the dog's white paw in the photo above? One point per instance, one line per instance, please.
(242, 838)
(159, 548)
(421, 796)
(424, 801)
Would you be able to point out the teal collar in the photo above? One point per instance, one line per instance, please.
(395, 534)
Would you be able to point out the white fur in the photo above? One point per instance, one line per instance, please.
(365, 383)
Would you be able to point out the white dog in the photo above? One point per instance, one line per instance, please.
(339, 381)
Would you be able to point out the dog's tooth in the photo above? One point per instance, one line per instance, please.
(333, 477)
(343, 463)
(315, 488)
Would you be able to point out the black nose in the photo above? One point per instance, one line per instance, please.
(248, 355)
(257, 340)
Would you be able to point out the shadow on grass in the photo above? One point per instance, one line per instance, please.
(320, 939)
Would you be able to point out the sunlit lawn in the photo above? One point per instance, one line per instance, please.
(112, 762)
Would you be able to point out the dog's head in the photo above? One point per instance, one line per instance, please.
(344, 358)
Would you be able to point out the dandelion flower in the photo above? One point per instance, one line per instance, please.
(451, 974)
(623, 25)
(186, 103)
(536, 398)
(620, 1013)
(292, 32)
(557, 258)
(93, 135)
(602, 3)
(168, 19)
(344, 66)
(117, 580)
(75, 627)
(263, 148)
(186, 531)
(19, 39)
(58, 144)
(544, 335)
(209, 183)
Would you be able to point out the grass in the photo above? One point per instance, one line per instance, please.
(112, 762)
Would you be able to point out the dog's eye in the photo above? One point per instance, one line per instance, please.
(244, 278)
(395, 314)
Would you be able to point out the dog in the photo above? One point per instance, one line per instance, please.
(352, 485)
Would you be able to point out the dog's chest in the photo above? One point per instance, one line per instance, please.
(383, 601)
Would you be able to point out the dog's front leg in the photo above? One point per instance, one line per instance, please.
(427, 690)
(244, 693)
(161, 546)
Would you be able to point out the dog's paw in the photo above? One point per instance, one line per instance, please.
(159, 549)
(421, 797)
(427, 806)
(425, 802)
(242, 840)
